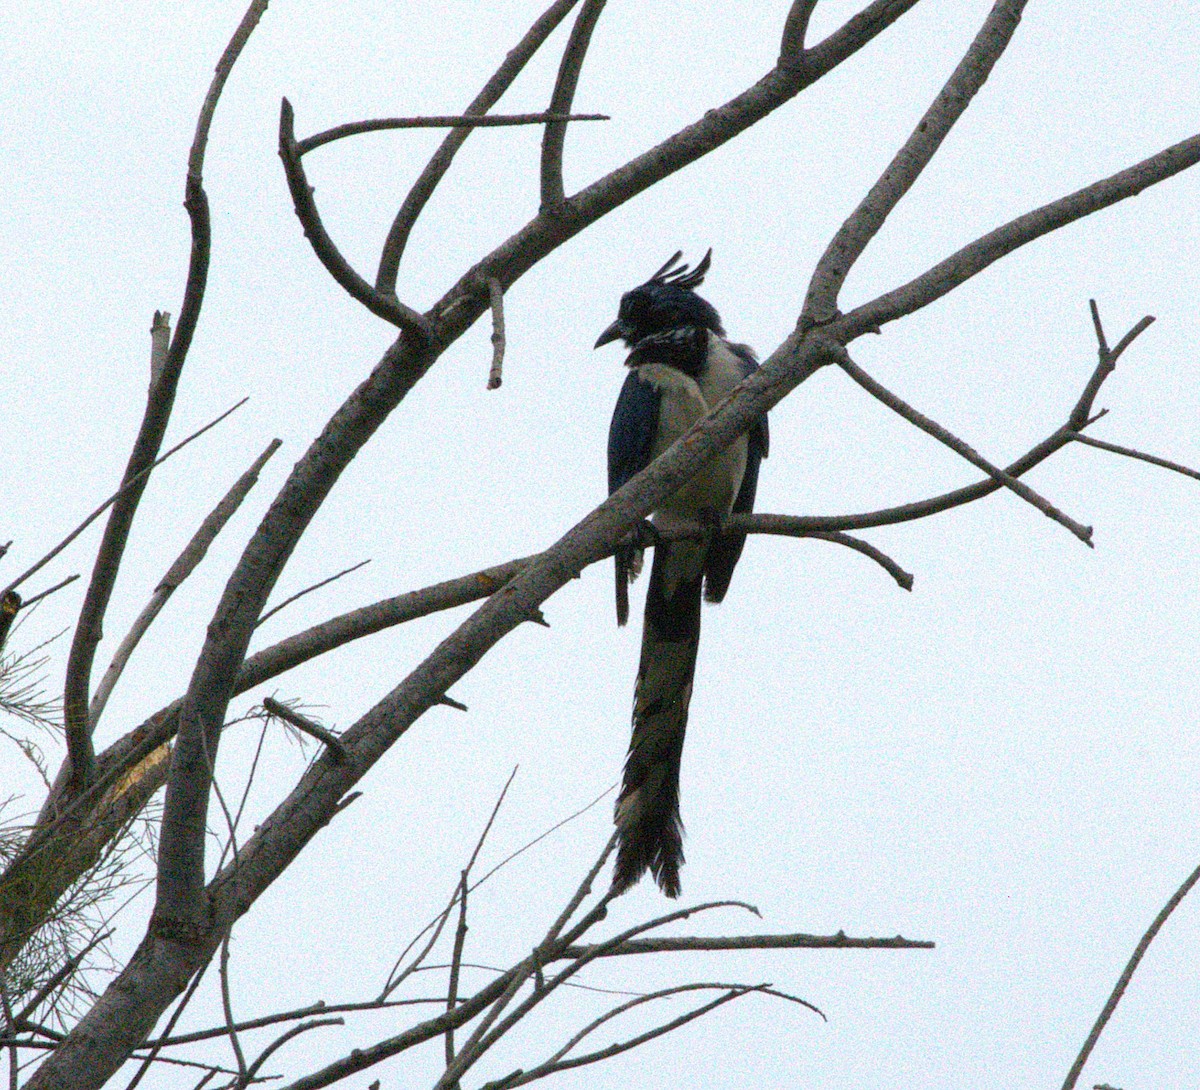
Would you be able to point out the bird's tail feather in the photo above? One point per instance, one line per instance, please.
(650, 832)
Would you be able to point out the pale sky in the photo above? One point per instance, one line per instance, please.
(1003, 761)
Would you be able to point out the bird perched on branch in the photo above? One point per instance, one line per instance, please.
(680, 368)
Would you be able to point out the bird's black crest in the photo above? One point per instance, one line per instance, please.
(682, 276)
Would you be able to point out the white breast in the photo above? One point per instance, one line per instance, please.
(684, 402)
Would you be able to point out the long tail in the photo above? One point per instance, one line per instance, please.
(650, 831)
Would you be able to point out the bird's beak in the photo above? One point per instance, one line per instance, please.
(614, 332)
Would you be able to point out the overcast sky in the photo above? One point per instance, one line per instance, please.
(1003, 761)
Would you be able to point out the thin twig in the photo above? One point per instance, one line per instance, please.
(309, 590)
(319, 1007)
(664, 993)
(394, 981)
(1101, 340)
(159, 401)
(1126, 976)
(227, 1007)
(542, 836)
(76, 716)
(931, 427)
(1141, 456)
(114, 497)
(498, 341)
(797, 941)
(556, 1063)
(437, 121)
(423, 188)
(323, 637)
(186, 563)
(460, 938)
(49, 591)
(281, 1040)
(560, 102)
(303, 723)
(156, 1046)
(1107, 362)
(229, 845)
(481, 1039)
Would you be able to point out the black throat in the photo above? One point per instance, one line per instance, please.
(684, 348)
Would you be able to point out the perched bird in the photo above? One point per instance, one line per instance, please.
(680, 368)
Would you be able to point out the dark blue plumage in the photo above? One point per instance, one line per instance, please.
(681, 367)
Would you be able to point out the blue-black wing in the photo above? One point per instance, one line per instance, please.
(630, 442)
(725, 550)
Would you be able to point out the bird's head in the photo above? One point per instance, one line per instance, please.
(664, 303)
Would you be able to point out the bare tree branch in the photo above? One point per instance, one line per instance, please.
(437, 121)
(942, 435)
(303, 723)
(795, 30)
(320, 1007)
(159, 402)
(904, 579)
(1129, 452)
(460, 938)
(280, 1041)
(184, 565)
(560, 102)
(227, 1007)
(978, 255)
(396, 977)
(484, 1036)
(45, 593)
(44, 560)
(556, 1063)
(142, 743)
(796, 941)
(864, 222)
(308, 590)
(496, 292)
(385, 306)
(1107, 360)
(435, 169)
(175, 1016)
(1126, 976)
(189, 917)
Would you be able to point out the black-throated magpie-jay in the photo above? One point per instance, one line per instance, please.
(681, 368)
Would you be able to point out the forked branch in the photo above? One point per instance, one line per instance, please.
(569, 70)
(864, 222)
(385, 306)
